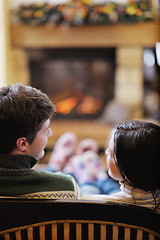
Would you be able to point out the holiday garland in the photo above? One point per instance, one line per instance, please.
(77, 13)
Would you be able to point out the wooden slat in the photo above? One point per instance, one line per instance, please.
(103, 231)
(115, 232)
(127, 233)
(30, 233)
(42, 232)
(90, 231)
(54, 231)
(66, 231)
(78, 231)
(6, 236)
(139, 234)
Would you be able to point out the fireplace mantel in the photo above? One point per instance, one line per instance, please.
(141, 34)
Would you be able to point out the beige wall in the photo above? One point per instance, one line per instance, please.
(3, 44)
(13, 62)
(6, 57)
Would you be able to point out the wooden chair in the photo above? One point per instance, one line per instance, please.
(76, 219)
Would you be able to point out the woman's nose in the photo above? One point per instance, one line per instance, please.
(107, 152)
(50, 133)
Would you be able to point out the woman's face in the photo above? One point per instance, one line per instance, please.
(113, 170)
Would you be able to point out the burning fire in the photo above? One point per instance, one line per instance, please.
(86, 105)
(89, 105)
(65, 106)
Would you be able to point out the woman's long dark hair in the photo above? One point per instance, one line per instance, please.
(137, 154)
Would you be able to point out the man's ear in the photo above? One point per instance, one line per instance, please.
(22, 144)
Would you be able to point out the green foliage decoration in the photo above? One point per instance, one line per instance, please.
(84, 12)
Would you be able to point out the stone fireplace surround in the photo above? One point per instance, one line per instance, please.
(129, 41)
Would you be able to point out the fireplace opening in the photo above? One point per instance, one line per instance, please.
(79, 81)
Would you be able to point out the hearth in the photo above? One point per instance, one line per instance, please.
(79, 81)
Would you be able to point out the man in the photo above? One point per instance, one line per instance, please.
(25, 114)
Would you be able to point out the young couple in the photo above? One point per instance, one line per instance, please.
(133, 155)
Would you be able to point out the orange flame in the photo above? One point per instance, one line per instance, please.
(65, 106)
(88, 105)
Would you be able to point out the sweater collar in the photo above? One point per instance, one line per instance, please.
(17, 161)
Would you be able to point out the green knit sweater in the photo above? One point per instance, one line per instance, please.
(19, 180)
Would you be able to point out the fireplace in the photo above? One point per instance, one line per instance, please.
(125, 85)
(79, 81)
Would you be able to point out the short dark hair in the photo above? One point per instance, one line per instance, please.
(23, 110)
(137, 151)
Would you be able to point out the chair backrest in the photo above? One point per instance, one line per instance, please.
(76, 219)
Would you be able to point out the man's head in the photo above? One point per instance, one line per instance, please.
(23, 112)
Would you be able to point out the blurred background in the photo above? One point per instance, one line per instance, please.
(98, 61)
